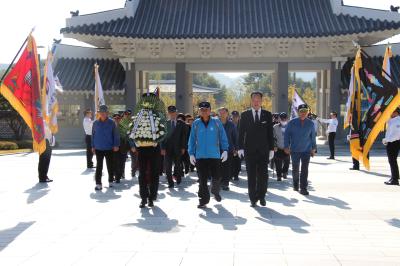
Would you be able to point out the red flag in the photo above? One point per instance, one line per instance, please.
(21, 87)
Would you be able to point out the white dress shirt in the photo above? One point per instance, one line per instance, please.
(87, 125)
(393, 129)
(332, 124)
(254, 113)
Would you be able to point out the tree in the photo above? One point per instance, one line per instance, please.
(258, 82)
(220, 97)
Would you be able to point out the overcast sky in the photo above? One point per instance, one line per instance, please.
(19, 16)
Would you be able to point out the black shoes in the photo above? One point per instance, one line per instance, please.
(263, 202)
(295, 187)
(284, 175)
(236, 178)
(331, 158)
(151, 203)
(355, 169)
(392, 182)
(217, 197)
(304, 192)
(279, 178)
(253, 204)
(171, 185)
(45, 180)
(202, 206)
(225, 188)
(143, 204)
(178, 180)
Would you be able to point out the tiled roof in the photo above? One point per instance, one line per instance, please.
(77, 74)
(233, 19)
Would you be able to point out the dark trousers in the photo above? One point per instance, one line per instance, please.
(134, 163)
(208, 168)
(331, 141)
(226, 170)
(356, 164)
(100, 155)
(236, 166)
(119, 164)
(282, 161)
(44, 162)
(392, 150)
(89, 153)
(257, 175)
(149, 164)
(304, 158)
(176, 160)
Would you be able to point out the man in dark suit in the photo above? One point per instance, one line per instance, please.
(174, 145)
(256, 144)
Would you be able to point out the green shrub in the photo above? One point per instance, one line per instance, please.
(24, 144)
(8, 145)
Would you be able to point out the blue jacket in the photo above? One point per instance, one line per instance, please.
(232, 134)
(207, 142)
(105, 135)
(300, 138)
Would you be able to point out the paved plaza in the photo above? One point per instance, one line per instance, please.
(350, 218)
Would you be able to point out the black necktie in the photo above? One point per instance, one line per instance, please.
(257, 119)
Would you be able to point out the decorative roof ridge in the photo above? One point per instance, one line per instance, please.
(363, 12)
(104, 16)
(77, 52)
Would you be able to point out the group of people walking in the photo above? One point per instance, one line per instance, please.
(215, 146)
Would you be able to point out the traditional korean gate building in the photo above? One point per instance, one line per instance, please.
(189, 36)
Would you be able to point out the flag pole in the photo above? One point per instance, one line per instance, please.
(15, 57)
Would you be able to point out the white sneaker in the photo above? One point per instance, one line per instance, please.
(98, 187)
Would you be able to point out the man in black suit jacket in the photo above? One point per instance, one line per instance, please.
(174, 146)
(256, 144)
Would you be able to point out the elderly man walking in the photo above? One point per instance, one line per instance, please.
(301, 145)
(208, 146)
(105, 141)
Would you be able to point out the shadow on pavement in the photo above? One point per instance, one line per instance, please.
(9, 235)
(374, 173)
(281, 199)
(330, 201)
(155, 220)
(277, 219)
(181, 193)
(104, 197)
(394, 222)
(223, 217)
(36, 192)
(89, 171)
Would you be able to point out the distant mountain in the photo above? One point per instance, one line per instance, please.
(225, 80)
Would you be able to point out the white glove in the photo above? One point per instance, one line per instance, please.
(192, 160)
(271, 155)
(224, 156)
(348, 137)
(384, 141)
(241, 153)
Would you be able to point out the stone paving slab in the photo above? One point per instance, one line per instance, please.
(350, 218)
